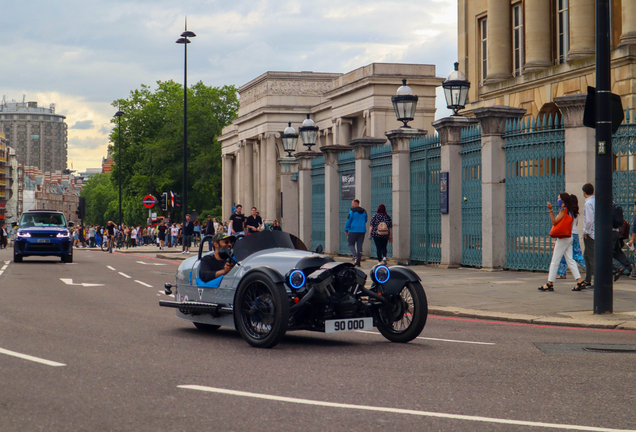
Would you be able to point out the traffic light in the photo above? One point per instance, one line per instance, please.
(81, 208)
(163, 201)
(177, 201)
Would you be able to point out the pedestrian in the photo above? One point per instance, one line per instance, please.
(174, 233)
(563, 246)
(91, 236)
(588, 231)
(254, 222)
(630, 244)
(161, 234)
(237, 221)
(210, 230)
(3, 237)
(355, 229)
(188, 232)
(381, 230)
(577, 254)
(617, 241)
(275, 226)
(133, 237)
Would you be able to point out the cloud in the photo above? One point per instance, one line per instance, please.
(87, 54)
(86, 124)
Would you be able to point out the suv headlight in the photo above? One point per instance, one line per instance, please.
(23, 234)
(63, 234)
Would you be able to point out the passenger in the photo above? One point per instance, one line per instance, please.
(212, 265)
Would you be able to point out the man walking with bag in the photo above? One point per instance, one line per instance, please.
(355, 229)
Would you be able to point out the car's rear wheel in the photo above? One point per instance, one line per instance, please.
(405, 316)
(206, 327)
(17, 258)
(261, 311)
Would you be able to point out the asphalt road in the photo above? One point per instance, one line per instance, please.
(122, 363)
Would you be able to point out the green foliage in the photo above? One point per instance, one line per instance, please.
(152, 145)
(101, 200)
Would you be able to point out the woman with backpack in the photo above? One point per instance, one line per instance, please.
(568, 212)
(577, 253)
(381, 231)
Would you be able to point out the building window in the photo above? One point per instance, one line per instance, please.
(562, 30)
(483, 36)
(34, 136)
(22, 116)
(517, 39)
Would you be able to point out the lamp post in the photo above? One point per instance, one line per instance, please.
(119, 114)
(185, 41)
(289, 187)
(404, 104)
(308, 133)
(290, 138)
(456, 90)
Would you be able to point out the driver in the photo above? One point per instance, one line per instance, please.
(212, 265)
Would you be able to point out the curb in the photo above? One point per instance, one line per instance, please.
(531, 319)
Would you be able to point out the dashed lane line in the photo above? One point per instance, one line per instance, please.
(401, 411)
(125, 275)
(30, 358)
(436, 339)
(4, 267)
(112, 268)
(143, 283)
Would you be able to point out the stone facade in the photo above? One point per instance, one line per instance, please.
(345, 107)
(542, 72)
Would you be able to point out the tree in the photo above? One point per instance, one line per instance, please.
(152, 144)
(100, 196)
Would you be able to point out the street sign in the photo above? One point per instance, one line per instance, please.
(149, 201)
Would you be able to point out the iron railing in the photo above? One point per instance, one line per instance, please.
(381, 186)
(471, 196)
(317, 202)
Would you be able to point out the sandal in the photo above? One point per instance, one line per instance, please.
(546, 287)
(579, 286)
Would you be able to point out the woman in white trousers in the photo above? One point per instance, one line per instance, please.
(563, 246)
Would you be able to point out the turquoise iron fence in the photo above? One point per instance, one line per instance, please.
(346, 165)
(426, 221)
(317, 202)
(381, 186)
(471, 196)
(535, 175)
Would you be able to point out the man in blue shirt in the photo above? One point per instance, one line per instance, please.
(355, 229)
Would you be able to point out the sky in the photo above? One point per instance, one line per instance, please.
(82, 55)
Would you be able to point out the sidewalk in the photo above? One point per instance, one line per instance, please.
(505, 295)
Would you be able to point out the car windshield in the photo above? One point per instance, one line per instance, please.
(259, 241)
(43, 219)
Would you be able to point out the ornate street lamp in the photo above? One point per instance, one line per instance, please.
(185, 41)
(119, 114)
(404, 104)
(308, 133)
(456, 90)
(290, 137)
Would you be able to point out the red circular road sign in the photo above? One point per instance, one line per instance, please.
(149, 201)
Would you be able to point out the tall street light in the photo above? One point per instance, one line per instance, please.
(119, 114)
(185, 41)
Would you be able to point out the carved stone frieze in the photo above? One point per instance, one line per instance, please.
(284, 88)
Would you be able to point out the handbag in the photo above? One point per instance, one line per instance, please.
(563, 229)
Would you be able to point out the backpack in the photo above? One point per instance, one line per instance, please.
(383, 229)
(617, 216)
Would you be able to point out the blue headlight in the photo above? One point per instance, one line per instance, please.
(382, 274)
(296, 279)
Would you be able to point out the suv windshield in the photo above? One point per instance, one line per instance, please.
(259, 241)
(42, 219)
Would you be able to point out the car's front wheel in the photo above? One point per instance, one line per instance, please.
(67, 258)
(403, 319)
(17, 258)
(261, 311)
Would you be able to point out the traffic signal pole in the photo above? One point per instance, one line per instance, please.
(603, 274)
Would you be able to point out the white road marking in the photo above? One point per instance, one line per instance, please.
(1, 271)
(7, 262)
(155, 264)
(30, 358)
(124, 275)
(401, 411)
(70, 282)
(112, 268)
(4, 267)
(436, 339)
(143, 283)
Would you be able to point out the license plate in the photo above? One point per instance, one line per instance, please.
(351, 324)
(44, 241)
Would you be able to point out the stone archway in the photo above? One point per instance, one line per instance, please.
(551, 112)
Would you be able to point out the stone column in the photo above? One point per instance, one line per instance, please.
(362, 151)
(262, 195)
(449, 129)
(344, 131)
(580, 146)
(289, 188)
(493, 187)
(271, 190)
(537, 26)
(228, 179)
(628, 36)
(499, 41)
(332, 197)
(400, 151)
(257, 174)
(248, 176)
(240, 174)
(305, 195)
(582, 29)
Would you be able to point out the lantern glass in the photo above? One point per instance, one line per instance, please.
(308, 133)
(456, 90)
(289, 138)
(404, 104)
